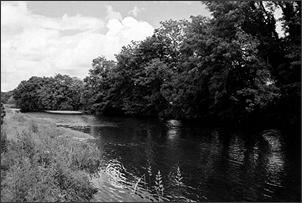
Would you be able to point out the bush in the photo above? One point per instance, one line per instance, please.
(37, 167)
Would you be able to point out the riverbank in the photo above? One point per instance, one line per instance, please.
(16, 123)
(43, 162)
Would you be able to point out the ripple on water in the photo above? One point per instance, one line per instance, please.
(216, 164)
(114, 185)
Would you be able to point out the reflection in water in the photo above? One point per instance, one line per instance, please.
(113, 185)
(173, 133)
(236, 151)
(275, 161)
(173, 129)
(215, 164)
(114, 170)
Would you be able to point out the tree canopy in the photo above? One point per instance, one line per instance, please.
(232, 66)
(43, 93)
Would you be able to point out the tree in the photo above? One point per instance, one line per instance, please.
(224, 67)
(27, 94)
(49, 93)
(101, 87)
(257, 19)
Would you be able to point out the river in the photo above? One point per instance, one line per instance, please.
(151, 160)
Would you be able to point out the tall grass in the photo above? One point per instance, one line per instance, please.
(178, 177)
(38, 167)
(174, 185)
(159, 187)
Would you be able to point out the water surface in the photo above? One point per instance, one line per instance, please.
(195, 162)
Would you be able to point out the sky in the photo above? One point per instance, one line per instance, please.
(43, 38)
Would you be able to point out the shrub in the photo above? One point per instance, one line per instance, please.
(37, 167)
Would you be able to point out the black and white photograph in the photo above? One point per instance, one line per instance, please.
(151, 101)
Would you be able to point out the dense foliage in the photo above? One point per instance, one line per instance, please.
(233, 66)
(230, 67)
(56, 93)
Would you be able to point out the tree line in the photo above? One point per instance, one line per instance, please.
(61, 92)
(232, 66)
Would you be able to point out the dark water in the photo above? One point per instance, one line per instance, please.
(196, 163)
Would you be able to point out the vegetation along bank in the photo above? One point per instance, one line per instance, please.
(42, 162)
(225, 68)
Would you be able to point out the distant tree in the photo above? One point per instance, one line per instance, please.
(53, 93)
(232, 66)
(27, 94)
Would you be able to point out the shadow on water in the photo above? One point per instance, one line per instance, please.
(196, 163)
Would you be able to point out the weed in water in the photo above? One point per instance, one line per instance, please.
(178, 177)
(159, 187)
(149, 171)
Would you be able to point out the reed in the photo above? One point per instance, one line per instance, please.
(159, 187)
(178, 177)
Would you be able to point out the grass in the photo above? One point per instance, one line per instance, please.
(42, 162)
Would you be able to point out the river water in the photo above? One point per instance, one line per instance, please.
(152, 160)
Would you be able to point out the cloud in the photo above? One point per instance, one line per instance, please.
(34, 44)
(135, 11)
(111, 14)
(15, 15)
(179, 2)
(185, 2)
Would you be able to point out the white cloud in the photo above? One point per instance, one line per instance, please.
(185, 2)
(15, 15)
(111, 14)
(179, 2)
(135, 11)
(34, 44)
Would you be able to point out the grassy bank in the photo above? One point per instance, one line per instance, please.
(42, 162)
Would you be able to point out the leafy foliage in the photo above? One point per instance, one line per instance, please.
(56, 93)
(231, 67)
(203, 68)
